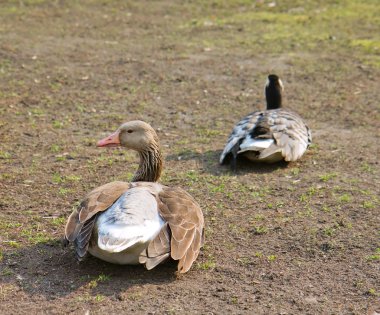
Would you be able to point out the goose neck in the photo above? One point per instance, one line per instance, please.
(150, 166)
(273, 97)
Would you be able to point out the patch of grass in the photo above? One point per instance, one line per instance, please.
(260, 193)
(366, 168)
(60, 158)
(209, 264)
(99, 298)
(203, 132)
(192, 175)
(37, 112)
(57, 124)
(368, 205)
(327, 177)
(259, 217)
(272, 258)
(345, 198)
(295, 171)
(326, 208)
(101, 278)
(84, 298)
(373, 292)
(369, 46)
(312, 191)
(93, 284)
(9, 225)
(304, 198)
(73, 178)
(55, 148)
(135, 296)
(5, 65)
(6, 176)
(57, 178)
(329, 231)
(64, 191)
(36, 234)
(55, 86)
(375, 256)
(218, 188)
(7, 271)
(5, 155)
(14, 244)
(58, 221)
(258, 254)
(244, 261)
(259, 230)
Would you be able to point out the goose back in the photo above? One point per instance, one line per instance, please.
(269, 136)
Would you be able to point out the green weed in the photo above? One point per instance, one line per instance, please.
(327, 177)
(5, 155)
(258, 254)
(345, 198)
(55, 148)
(368, 205)
(57, 124)
(73, 178)
(259, 230)
(375, 256)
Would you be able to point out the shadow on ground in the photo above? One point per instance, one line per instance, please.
(50, 270)
(209, 163)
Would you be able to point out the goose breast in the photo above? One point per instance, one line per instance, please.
(123, 231)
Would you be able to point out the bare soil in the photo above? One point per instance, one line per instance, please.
(298, 238)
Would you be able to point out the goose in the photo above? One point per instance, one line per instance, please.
(269, 135)
(137, 222)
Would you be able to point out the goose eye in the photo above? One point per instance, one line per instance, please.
(130, 131)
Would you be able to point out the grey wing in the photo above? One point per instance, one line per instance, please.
(292, 136)
(158, 250)
(238, 134)
(82, 241)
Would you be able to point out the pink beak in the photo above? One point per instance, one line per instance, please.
(110, 141)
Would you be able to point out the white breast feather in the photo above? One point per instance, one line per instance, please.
(250, 144)
(133, 219)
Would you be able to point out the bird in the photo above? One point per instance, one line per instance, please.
(270, 135)
(137, 222)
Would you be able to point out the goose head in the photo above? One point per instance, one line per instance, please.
(136, 135)
(141, 137)
(273, 92)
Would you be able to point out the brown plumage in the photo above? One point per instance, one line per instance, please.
(171, 213)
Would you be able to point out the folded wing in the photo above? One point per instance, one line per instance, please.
(80, 224)
(185, 222)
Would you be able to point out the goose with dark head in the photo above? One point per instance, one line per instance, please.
(269, 135)
(273, 92)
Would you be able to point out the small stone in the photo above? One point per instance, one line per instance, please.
(311, 299)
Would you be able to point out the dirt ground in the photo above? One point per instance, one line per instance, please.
(301, 238)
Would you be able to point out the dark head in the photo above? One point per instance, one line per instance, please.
(273, 91)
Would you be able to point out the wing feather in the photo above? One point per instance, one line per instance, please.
(158, 250)
(80, 223)
(186, 222)
(238, 134)
(290, 135)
